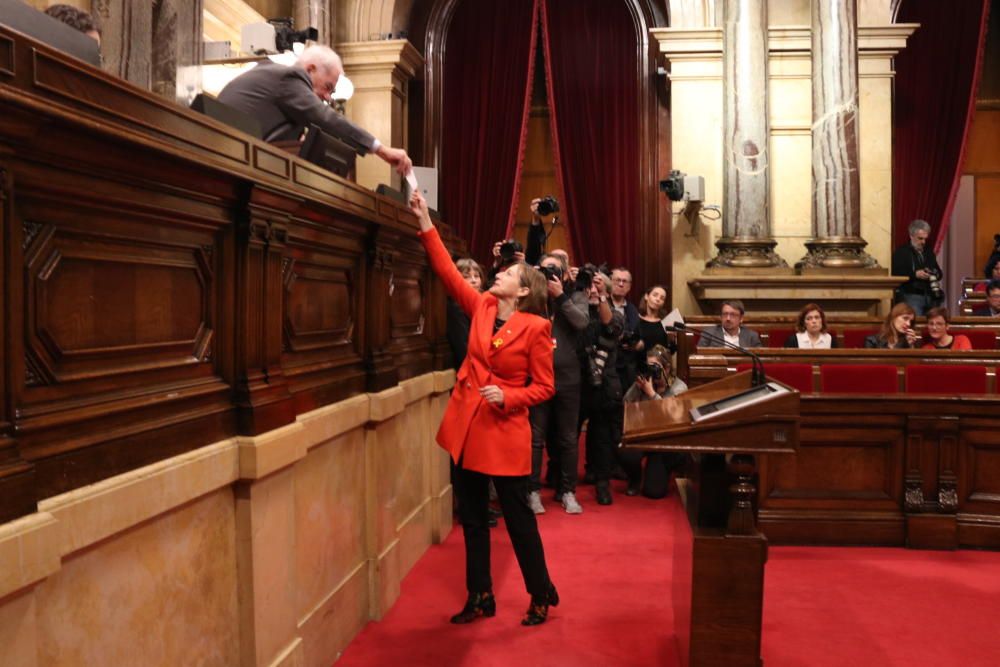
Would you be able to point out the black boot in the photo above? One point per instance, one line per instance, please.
(603, 492)
(538, 610)
(478, 604)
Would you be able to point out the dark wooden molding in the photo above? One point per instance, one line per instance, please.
(170, 282)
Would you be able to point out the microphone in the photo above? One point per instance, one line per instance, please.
(757, 377)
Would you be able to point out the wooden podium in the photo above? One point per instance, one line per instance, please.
(719, 556)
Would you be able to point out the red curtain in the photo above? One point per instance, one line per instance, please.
(592, 63)
(936, 78)
(490, 51)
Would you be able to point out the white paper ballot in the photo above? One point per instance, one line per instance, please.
(672, 318)
(411, 180)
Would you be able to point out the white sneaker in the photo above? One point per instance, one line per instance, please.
(570, 504)
(535, 502)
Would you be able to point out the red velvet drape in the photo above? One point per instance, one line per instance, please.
(936, 78)
(490, 53)
(592, 63)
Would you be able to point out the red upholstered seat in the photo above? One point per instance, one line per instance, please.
(856, 337)
(797, 376)
(981, 339)
(858, 379)
(777, 337)
(945, 379)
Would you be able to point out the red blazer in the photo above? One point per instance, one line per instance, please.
(487, 438)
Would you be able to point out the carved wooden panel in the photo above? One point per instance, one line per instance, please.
(843, 467)
(979, 481)
(98, 306)
(324, 281)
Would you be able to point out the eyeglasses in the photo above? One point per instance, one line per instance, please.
(621, 281)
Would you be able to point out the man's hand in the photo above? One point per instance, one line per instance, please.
(397, 157)
(492, 394)
(555, 287)
(573, 270)
(418, 206)
(923, 275)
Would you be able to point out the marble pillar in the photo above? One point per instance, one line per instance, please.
(313, 13)
(746, 230)
(381, 72)
(126, 39)
(177, 43)
(836, 203)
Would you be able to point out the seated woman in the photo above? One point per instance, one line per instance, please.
(655, 382)
(937, 332)
(811, 330)
(897, 331)
(992, 273)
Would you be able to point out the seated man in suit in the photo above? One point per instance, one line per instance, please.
(992, 306)
(730, 329)
(285, 100)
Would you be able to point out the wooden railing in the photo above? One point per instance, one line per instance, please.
(170, 281)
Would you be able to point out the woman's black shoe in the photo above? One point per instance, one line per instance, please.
(478, 604)
(538, 610)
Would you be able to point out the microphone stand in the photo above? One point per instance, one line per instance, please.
(757, 377)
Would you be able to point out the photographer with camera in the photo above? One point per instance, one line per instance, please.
(537, 236)
(601, 400)
(922, 289)
(656, 380)
(555, 421)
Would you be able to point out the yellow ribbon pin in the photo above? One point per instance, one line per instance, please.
(497, 342)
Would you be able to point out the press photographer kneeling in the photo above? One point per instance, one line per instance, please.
(656, 380)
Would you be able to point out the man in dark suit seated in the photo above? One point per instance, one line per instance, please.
(992, 306)
(285, 100)
(730, 329)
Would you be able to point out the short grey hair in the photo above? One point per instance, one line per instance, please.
(321, 56)
(919, 226)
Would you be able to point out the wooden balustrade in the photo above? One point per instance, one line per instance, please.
(170, 281)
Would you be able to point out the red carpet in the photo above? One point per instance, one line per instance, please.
(823, 606)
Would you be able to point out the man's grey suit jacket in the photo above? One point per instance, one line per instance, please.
(748, 337)
(282, 100)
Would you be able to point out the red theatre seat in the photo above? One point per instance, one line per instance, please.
(981, 339)
(855, 338)
(945, 379)
(858, 379)
(777, 337)
(797, 376)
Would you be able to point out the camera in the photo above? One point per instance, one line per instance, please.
(652, 371)
(585, 275)
(507, 250)
(285, 36)
(551, 272)
(548, 205)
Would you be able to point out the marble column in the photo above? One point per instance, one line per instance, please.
(836, 202)
(746, 230)
(381, 72)
(314, 13)
(126, 39)
(177, 49)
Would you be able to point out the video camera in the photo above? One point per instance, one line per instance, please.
(285, 35)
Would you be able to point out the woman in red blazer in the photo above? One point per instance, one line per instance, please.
(485, 428)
